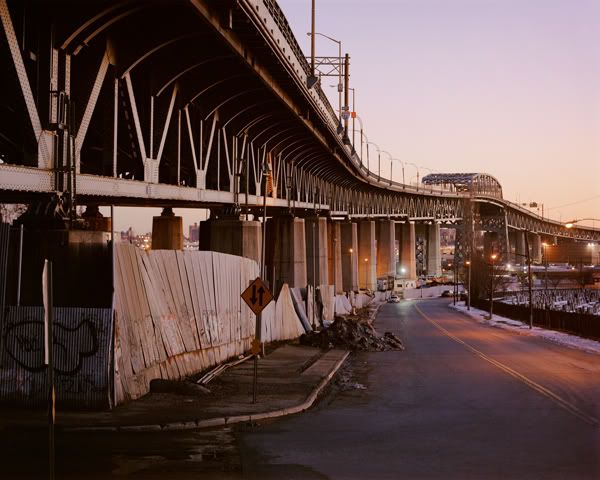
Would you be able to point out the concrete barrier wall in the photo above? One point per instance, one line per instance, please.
(180, 312)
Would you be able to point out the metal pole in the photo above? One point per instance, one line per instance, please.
(454, 289)
(258, 330)
(545, 268)
(492, 290)
(334, 263)
(347, 85)
(353, 117)
(529, 280)
(361, 144)
(19, 271)
(113, 399)
(50, 359)
(469, 292)
(314, 272)
(312, 40)
(340, 87)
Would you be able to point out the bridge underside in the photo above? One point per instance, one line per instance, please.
(191, 103)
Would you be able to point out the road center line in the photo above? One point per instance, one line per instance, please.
(590, 420)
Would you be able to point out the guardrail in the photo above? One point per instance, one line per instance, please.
(581, 324)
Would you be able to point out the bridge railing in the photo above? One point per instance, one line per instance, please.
(274, 10)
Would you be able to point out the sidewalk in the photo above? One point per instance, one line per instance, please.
(289, 381)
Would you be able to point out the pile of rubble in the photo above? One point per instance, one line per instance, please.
(352, 333)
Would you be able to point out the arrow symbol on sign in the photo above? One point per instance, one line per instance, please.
(261, 292)
(253, 297)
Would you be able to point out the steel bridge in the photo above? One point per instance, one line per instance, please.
(184, 103)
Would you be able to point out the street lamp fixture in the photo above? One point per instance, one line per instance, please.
(572, 223)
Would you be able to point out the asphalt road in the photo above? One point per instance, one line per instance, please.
(463, 401)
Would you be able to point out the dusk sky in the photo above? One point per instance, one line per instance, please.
(506, 87)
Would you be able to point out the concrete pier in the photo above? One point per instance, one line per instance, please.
(367, 255)
(349, 249)
(317, 268)
(167, 231)
(386, 246)
(236, 237)
(407, 267)
(286, 252)
(434, 254)
(334, 237)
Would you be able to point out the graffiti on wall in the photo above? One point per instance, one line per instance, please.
(82, 340)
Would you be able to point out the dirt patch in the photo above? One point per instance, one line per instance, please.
(352, 334)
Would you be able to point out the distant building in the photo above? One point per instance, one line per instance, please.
(573, 253)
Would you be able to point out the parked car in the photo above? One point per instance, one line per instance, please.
(394, 298)
(446, 293)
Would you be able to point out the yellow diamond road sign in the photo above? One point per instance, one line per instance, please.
(257, 296)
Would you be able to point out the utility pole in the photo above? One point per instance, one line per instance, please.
(346, 88)
(468, 264)
(529, 281)
(494, 256)
(312, 79)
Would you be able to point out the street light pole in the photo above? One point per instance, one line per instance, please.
(377, 147)
(390, 156)
(545, 262)
(312, 79)
(468, 264)
(417, 168)
(493, 257)
(529, 279)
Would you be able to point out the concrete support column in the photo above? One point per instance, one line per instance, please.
(520, 250)
(434, 253)
(536, 248)
(349, 249)
(316, 251)
(386, 246)
(489, 244)
(286, 252)
(367, 254)
(167, 231)
(236, 237)
(334, 236)
(408, 259)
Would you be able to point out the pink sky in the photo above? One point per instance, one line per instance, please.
(506, 87)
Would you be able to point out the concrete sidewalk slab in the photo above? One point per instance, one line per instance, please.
(289, 381)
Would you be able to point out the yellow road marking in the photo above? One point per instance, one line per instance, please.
(527, 381)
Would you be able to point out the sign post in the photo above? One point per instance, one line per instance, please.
(257, 296)
(47, 293)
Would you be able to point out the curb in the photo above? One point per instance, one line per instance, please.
(218, 421)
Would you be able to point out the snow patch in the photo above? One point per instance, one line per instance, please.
(565, 339)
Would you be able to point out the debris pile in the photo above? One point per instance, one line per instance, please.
(352, 334)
